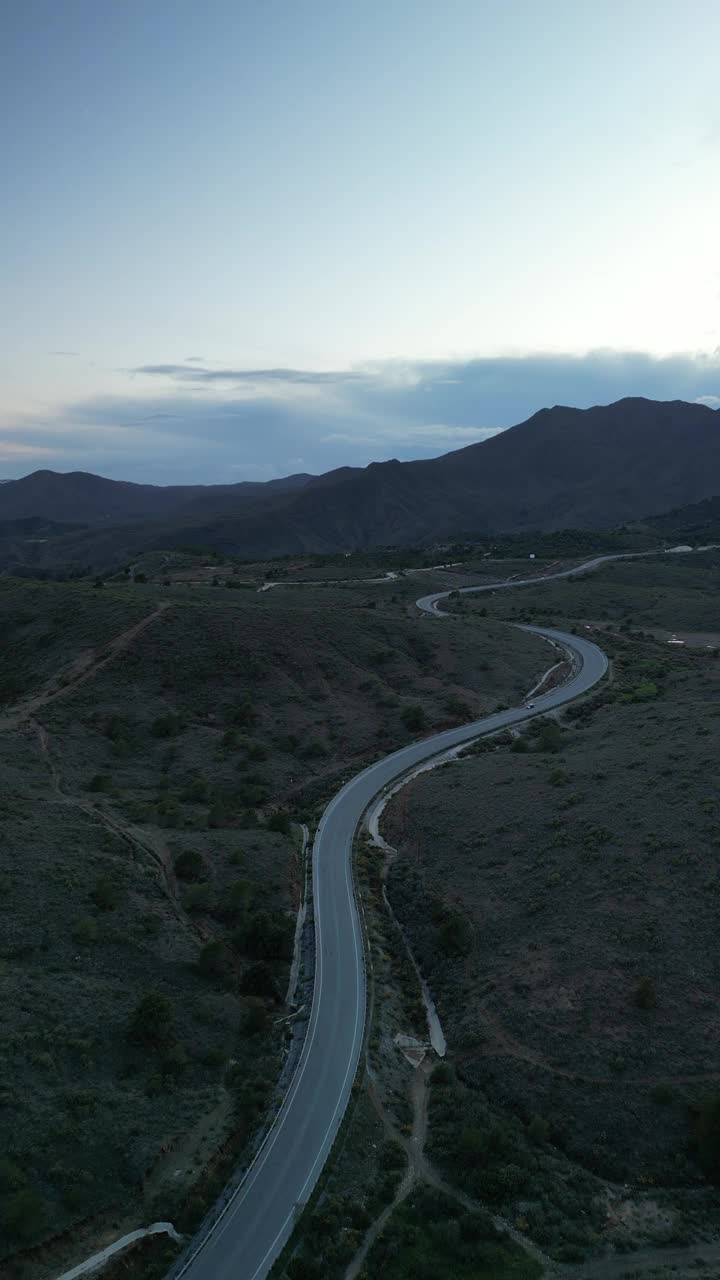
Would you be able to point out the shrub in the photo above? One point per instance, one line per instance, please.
(538, 1129)
(100, 782)
(708, 1136)
(151, 1023)
(22, 1214)
(455, 935)
(12, 1177)
(244, 713)
(258, 980)
(279, 822)
(645, 996)
(197, 897)
(212, 961)
(413, 717)
(255, 1020)
(265, 936)
(548, 736)
(189, 865)
(86, 931)
(167, 726)
(105, 894)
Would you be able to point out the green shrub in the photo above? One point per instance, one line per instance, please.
(100, 782)
(198, 897)
(86, 931)
(105, 895)
(645, 996)
(707, 1136)
(152, 1021)
(413, 717)
(167, 726)
(279, 822)
(258, 980)
(212, 961)
(189, 865)
(22, 1214)
(538, 1129)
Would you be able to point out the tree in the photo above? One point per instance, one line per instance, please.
(151, 1022)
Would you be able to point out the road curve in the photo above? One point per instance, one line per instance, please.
(258, 1219)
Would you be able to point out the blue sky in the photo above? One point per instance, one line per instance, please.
(255, 236)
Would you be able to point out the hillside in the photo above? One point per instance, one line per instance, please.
(563, 468)
(565, 927)
(80, 497)
(155, 744)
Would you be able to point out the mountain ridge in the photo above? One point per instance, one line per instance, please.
(563, 467)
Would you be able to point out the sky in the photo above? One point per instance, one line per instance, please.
(242, 238)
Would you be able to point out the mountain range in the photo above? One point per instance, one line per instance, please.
(563, 467)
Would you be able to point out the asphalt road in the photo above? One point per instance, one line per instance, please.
(259, 1218)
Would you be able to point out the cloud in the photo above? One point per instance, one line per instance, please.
(181, 424)
(179, 373)
(11, 451)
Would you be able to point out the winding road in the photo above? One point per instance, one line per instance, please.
(257, 1220)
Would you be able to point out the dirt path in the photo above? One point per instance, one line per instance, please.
(505, 1046)
(84, 668)
(419, 1169)
(148, 845)
(680, 1264)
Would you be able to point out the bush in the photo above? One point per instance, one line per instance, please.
(198, 897)
(105, 894)
(167, 726)
(22, 1214)
(86, 931)
(258, 980)
(708, 1136)
(212, 961)
(152, 1021)
(189, 865)
(413, 717)
(645, 996)
(538, 1129)
(455, 935)
(12, 1177)
(101, 782)
(548, 736)
(265, 936)
(279, 822)
(244, 714)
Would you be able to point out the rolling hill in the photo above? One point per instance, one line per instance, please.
(563, 468)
